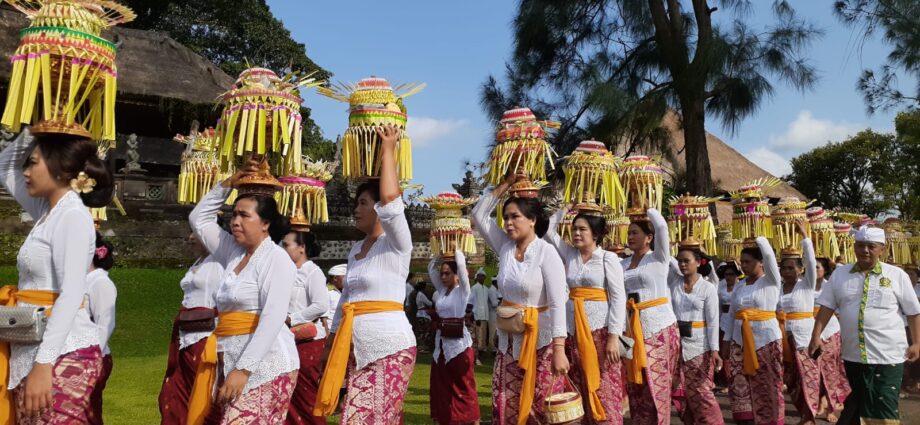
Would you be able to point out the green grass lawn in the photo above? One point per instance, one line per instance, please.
(147, 303)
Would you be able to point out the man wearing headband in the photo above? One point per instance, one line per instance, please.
(869, 297)
(337, 279)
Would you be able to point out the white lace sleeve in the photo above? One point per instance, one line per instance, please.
(711, 314)
(203, 221)
(317, 296)
(555, 287)
(616, 295)
(393, 220)
(71, 254)
(662, 250)
(810, 263)
(11, 160)
(486, 226)
(770, 268)
(276, 278)
(102, 308)
(565, 250)
(435, 275)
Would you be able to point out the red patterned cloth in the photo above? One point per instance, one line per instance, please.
(699, 400)
(611, 390)
(304, 396)
(506, 387)
(802, 381)
(834, 383)
(454, 399)
(266, 404)
(375, 393)
(758, 398)
(96, 398)
(181, 367)
(73, 378)
(650, 403)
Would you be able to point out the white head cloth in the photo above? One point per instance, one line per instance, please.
(870, 234)
(481, 271)
(338, 270)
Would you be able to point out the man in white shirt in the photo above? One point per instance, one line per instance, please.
(337, 279)
(479, 298)
(869, 297)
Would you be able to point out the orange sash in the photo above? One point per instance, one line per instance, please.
(748, 347)
(585, 342)
(782, 317)
(639, 361)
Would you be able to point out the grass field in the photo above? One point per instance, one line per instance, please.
(147, 303)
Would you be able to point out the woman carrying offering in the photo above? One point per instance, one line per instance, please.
(596, 315)
(834, 384)
(728, 272)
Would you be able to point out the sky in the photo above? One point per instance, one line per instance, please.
(454, 46)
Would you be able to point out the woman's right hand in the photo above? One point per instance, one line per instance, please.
(38, 389)
(613, 349)
(250, 167)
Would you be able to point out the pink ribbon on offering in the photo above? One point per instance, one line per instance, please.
(302, 180)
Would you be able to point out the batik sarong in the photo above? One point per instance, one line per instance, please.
(650, 403)
(700, 406)
(73, 378)
(181, 368)
(454, 399)
(802, 381)
(758, 398)
(611, 389)
(376, 392)
(507, 378)
(96, 399)
(266, 404)
(875, 395)
(300, 411)
(834, 384)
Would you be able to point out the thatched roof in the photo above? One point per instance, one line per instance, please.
(150, 64)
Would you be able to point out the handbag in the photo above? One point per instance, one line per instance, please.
(685, 329)
(626, 347)
(22, 325)
(304, 332)
(564, 407)
(197, 319)
(452, 328)
(509, 319)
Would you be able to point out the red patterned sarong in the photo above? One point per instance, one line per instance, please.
(801, 378)
(181, 367)
(650, 403)
(266, 404)
(454, 399)
(506, 387)
(375, 393)
(73, 378)
(611, 390)
(304, 397)
(96, 399)
(701, 407)
(834, 383)
(758, 398)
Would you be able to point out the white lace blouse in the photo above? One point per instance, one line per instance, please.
(451, 305)
(761, 295)
(725, 299)
(102, 293)
(54, 257)
(199, 286)
(309, 297)
(538, 281)
(380, 276)
(603, 270)
(802, 299)
(700, 305)
(262, 287)
(650, 279)
(833, 325)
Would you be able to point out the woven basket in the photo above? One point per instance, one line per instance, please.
(564, 407)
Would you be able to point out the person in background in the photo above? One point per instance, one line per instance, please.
(422, 327)
(409, 303)
(337, 280)
(495, 299)
(728, 272)
(479, 299)
(869, 297)
(912, 371)
(833, 382)
(101, 294)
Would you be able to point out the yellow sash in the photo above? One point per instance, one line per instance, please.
(585, 343)
(634, 330)
(327, 396)
(748, 348)
(697, 325)
(230, 323)
(9, 295)
(782, 317)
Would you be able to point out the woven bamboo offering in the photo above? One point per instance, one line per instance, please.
(303, 197)
(822, 233)
(200, 168)
(845, 241)
(642, 178)
(785, 215)
(450, 230)
(897, 247)
(690, 219)
(617, 231)
(520, 145)
(913, 240)
(728, 246)
(751, 211)
(373, 103)
(592, 170)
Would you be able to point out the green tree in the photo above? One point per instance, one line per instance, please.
(614, 68)
(844, 174)
(898, 21)
(899, 176)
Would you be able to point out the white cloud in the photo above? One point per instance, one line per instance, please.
(426, 131)
(771, 161)
(808, 132)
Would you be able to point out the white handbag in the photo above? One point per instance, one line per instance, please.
(23, 325)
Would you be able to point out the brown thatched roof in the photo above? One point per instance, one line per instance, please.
(149, 63)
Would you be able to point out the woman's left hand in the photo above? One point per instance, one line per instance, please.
(233, 386)
(560, 361)
(717, 361)
(388, 135)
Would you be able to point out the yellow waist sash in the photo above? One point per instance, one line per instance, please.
(634, 330)
(327, 396)
(585, 343)
(748, 348)
(528, 357)
(697, 325)
(9, 295)
(782, 317)
(231, 323)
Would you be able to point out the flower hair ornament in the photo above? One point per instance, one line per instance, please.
(82, 183)
(102, 252)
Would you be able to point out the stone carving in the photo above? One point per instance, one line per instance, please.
(134, 165)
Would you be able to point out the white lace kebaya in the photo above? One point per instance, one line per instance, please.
(650, 279)
(309, 298)
(451, 305)
(55, 256)
(802, 299)
(538, 281)
(263, 287)
(380, 276)
(199, 287)
(763, 294)
(101, 294)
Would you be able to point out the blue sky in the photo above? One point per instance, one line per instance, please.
(453, 46)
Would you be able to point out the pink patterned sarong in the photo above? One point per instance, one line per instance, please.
(506, 387)
(73, 379)
(758, 398)
(701, 406)
(375, 393)
(801, 378)
(611, 389)
(834, 383)
(266, 404)
(650, 403)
